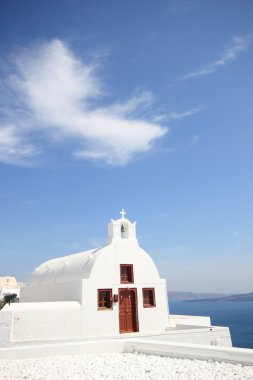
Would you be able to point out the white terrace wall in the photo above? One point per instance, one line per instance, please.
(40, 321)
(66, 291)
(233, 355)
(65, 322)
(213, 335)
(6, 326)
(150, 347)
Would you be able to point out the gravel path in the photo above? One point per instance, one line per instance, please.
(120, 366)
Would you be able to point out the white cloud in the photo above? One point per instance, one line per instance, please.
(143, 99)
(195, 139)
(183, 145)
(160, 118)
(240, 44)
(13, 148)
(57, 93)
(181, 6)
(182, 115)
(172, 115)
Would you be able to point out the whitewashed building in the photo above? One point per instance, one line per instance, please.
(9, 285)
(112, 291)
(118, 285)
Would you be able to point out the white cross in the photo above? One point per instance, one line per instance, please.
(123, 213)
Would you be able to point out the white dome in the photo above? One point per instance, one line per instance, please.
(65, 269)
(122, 248)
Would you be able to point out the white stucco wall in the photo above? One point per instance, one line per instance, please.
(214, 336)
(5, 327)
(148, 346)
(202, 351)
(175, 320)
(69, 291)
(106, 275)
(106, 322)
(40, 321)
(46, 321)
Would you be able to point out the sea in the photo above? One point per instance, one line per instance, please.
(237, 315)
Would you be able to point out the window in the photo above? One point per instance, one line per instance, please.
(126, 273)
(122, 230)
(104, 299)
(148, 297)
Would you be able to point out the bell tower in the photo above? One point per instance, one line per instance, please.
(122, 228)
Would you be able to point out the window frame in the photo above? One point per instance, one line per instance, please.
(148, 305)
(110, 298)
(131, 273)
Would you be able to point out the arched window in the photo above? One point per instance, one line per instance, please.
(122, 231)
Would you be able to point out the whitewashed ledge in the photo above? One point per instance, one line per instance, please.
(233, 355)
(192, 351)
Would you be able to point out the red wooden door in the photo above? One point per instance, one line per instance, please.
(128, 320)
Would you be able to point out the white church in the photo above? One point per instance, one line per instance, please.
(112, 291)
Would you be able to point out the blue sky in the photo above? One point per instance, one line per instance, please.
(141, 105)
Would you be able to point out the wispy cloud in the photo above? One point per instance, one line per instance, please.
(240, 44)
(180, 6)
(173, 115)
(54, 94)
(14, 149)
(181, 146)
(182, 115)
(195, 139)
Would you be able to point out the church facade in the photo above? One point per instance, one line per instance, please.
(117, 286)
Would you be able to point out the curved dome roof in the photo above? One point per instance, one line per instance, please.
(66, 269)
(122, 246)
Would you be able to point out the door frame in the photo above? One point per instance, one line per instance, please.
(136, 309)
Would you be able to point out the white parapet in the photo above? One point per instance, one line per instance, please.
(150, 347)
(191, 320)
(192, 351)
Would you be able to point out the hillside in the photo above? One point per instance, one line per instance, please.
(191, 296)
(234, 297)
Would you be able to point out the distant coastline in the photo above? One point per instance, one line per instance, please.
(204, 297)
